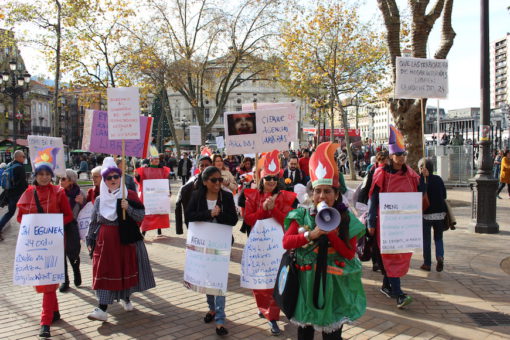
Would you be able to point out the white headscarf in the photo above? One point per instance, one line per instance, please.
(107, 199)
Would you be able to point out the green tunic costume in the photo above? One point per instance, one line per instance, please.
(345, 299)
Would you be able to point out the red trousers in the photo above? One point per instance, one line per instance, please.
(49, 305)
(266, 304)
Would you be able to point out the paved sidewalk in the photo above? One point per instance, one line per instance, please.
(472, 282)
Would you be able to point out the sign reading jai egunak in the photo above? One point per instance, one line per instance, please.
(421, 78)
(207, 257)
(401, 222)
(123, 113)
(39, 257)
(267, 128)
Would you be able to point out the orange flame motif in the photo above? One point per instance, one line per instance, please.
(271, 163)
(323, 168)
(206, 152)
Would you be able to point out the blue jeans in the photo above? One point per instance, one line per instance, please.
(11, 209)
(438, 227)
(394, 284)
(217, 304)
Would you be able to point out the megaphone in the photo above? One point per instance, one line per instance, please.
(327, 218)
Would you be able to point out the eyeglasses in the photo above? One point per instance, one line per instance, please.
(400, 153)
(109, 178)
(216, 180)
(63, 179)
(271, 178)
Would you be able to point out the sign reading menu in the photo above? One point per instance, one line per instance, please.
(401, 222)
(123, 113)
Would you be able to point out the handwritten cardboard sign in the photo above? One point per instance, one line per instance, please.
(207, 257)
(262, 130)
(401, 222)
(53, 150)
(421, 78)
(262, 254)
(39, 256)
(156, 197)
(83, 220)
(195, 137)
(123, 113)
(97, 139)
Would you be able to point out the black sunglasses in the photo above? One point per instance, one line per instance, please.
(216, 179)
(271, 178)
(400, 153)
(109, 178)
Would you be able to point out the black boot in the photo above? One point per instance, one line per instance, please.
(76, 272)
(45, 332)
(64, 287)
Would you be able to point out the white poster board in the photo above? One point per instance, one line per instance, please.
(51, 149)
(262, 254)
(87, 129)
(220, 142)
(401, 222)
(208, 248)
(195, 137)
(421, 78)
(262, 130)
(123, 113)
(83, 220)
(39, 257)
(156, 196)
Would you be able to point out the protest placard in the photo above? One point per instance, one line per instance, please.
(39, 256)
(220, 142)
(262, 130)
(87, 129)
(156, 196)
(262, 254)
(401, 222)
(207, 257)
(421, 78)
(123, 113)
(195, 137)
(83, 220)
(51, 149)
(100, 143)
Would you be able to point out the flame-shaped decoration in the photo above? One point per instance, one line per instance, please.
(206, 152)
(320, 171)
(323, 168)
(271, 164)
(396, 141)
(47, 156)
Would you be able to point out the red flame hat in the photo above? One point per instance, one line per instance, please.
(323, 168)
(271, 164)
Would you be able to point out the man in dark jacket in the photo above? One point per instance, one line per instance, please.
(293, 173)
(184, 195)
(184, 168)
(18, 186)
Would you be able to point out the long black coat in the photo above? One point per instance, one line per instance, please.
(197, 210)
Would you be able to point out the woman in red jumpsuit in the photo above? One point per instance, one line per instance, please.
(153, 171)
(265, 202)
(53, 200)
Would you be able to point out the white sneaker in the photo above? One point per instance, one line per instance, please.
(128, 306)
(98, 314)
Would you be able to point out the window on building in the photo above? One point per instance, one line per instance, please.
(239, 108)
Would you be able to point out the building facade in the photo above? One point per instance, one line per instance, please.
(500, 72)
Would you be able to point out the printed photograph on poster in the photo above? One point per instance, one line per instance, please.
(242, 123)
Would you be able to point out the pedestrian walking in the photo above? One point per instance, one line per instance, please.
(93, 192)
(433, 217)
(395, 177)
(184, 168)
(120, 263)
(325, 305)
(42, 197)
(14, 183)
(504, 176)
(268, 201)
(77, 201)
(210, 203)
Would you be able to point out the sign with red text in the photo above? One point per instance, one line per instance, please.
(269, 127)
(123, 113)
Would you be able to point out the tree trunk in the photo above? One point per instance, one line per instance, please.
(332, 112)
(56, 106)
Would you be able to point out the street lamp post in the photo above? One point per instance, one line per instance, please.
(484, 186)
(14, 82)
(184, 123)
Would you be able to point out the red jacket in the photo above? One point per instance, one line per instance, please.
(254, 211)
(53, 200)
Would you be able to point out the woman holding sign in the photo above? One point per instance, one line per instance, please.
(210, 203)
(395, 177)
(120, 264)
(268, 201)
(45, 198)
(330, 289)
(153, 171)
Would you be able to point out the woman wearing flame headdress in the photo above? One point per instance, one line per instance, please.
(394, 177)
(325, 307)
(265, 202)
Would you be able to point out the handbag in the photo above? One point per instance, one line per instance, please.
(286, 287)
(364, 247)
(449, 221)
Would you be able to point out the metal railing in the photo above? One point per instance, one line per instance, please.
(455, 164)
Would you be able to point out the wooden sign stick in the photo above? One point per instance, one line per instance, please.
(123, 181)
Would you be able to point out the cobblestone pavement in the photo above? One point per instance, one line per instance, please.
(472, 282)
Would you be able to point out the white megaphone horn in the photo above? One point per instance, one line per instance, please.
(327, 218)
